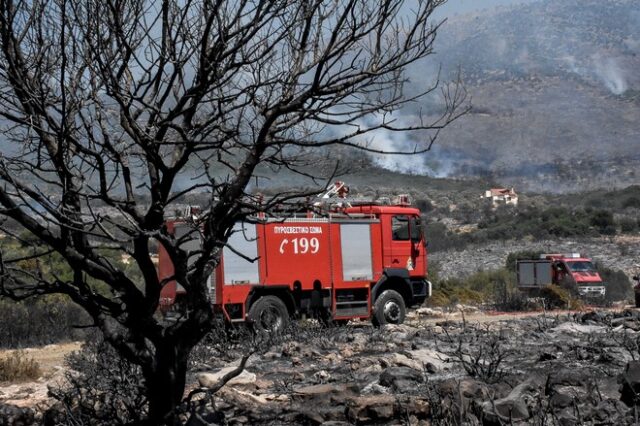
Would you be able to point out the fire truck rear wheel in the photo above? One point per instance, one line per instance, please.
(389, 308)
(268, 314)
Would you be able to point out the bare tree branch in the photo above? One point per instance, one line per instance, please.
(113, 110)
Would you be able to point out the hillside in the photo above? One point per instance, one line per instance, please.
(555, 95)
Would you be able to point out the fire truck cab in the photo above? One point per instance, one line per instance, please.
(365, 261)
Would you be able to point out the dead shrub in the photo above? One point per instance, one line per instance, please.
(101, 388)
(481, 353)
(515, 301)
(17, 367)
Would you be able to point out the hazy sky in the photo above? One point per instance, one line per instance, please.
(453, 7)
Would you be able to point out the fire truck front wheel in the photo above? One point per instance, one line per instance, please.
(389, 308)
(268, 315)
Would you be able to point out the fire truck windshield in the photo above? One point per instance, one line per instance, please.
(581, 266)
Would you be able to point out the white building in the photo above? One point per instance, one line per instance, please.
(499, 196)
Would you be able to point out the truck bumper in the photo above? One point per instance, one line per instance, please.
(592, 291)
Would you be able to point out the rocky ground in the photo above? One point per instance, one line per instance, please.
(22, 403)
(568, 369)
(565, 369)
(620, 252)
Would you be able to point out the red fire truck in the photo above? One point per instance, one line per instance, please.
(572, 269)
(357, 260)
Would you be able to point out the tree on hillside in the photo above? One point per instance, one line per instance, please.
(107, 102)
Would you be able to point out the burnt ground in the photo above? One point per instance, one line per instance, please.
(546, 369)
(543, 369)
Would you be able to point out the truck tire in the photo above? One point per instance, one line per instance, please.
(268, 314)
(388, 308)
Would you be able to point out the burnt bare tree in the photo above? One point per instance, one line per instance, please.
(110, 102)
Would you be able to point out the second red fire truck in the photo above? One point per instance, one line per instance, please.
(572, 270)
(355, 260)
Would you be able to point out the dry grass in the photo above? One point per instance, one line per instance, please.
(17, 367)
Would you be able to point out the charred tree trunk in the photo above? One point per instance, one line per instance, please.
(165, 383)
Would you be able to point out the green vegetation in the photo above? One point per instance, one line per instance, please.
(513, 257)
(439, 237)
(559, 297)
(618, 285)
(618, 200)
(16, 367)
(631, 202)
(506, 223)
(629, 225)
(51, 318)
(496, 288)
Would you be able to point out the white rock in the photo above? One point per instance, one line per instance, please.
(374, 388)
(275, 397)
(321, 376)
(210, 379)
(429, 312)
(403, 361)
(425, 356)
(573, 327)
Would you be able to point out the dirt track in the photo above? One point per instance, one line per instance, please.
(49, 357)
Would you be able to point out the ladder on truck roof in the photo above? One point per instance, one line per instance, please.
(333, 201)
(336, 198)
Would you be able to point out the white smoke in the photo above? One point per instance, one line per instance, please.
(386, 141)
(407, 164)
(499, 46)
(608, 70)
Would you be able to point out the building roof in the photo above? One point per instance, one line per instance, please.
(502, 191)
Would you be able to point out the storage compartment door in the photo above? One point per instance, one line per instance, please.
(543, 274)
(355, 241)
(534, 273)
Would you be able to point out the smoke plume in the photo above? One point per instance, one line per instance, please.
(611, 74)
